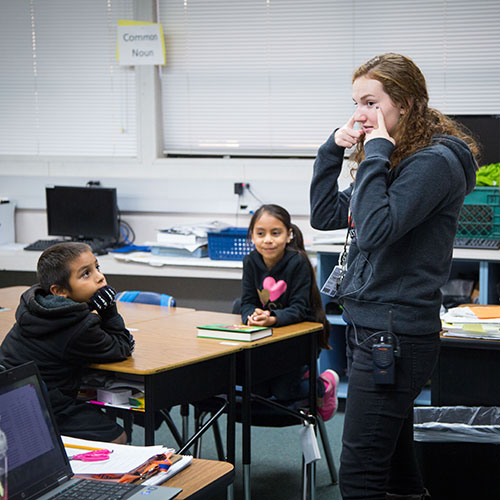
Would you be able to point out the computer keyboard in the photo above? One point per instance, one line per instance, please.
(476, 243)
(40, 245)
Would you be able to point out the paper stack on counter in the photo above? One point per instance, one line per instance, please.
(184, 240)
(478, 322)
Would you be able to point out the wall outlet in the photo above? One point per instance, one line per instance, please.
(239, 187)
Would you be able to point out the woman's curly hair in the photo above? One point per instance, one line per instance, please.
(405, 84)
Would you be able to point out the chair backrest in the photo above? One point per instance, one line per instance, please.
(236, 306)
(154, 298)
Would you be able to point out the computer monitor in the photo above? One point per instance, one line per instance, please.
(87, 213)
(486, 130)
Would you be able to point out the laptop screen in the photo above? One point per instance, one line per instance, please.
(36, 460)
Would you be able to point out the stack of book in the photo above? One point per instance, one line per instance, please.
(184, 241)
(243, 333)
(473, 322)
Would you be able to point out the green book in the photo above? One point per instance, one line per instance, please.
(234, 332)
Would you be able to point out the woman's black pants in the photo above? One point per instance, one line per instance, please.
(377, 444)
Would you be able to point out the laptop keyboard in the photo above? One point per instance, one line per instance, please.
(96, 490)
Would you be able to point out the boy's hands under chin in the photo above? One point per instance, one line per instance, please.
(261, 318)
(102, 299)
(381, 130)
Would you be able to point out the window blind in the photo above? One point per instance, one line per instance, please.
(273, 77)
(62, 91)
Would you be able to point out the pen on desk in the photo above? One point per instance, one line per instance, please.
(80, 447)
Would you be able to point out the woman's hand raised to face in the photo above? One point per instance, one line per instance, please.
(347, 136)
(380, 131)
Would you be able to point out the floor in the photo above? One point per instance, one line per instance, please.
(276, 459)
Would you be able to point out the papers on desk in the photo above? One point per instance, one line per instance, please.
(123, 460)
(163, 476)
(476, 322)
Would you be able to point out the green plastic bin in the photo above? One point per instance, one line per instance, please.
(480, 215)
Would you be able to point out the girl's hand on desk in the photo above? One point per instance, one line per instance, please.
(261, 318)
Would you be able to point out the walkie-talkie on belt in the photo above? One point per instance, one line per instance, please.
(384, 366)
(383, 353)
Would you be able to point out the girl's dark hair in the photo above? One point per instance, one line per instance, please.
(297, 244)
(405, 84)
(53, 264)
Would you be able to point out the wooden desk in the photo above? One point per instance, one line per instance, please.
(289, 346)
(177, 367)
(139, 313)
(9, 298)
(202, 479)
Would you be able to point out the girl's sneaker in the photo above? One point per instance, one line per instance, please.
(327, 405)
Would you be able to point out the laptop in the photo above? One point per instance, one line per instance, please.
(38, 466)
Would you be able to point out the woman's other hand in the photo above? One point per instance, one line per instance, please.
(380, 131)
(347, 136)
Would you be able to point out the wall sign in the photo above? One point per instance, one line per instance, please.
(140, 43)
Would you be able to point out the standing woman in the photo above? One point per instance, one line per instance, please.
(414, 168)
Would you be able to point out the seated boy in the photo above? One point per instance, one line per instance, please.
(63, 323)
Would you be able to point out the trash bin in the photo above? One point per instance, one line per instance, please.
(458, 450)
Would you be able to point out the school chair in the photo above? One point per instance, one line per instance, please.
(158, 299)
(153, 298)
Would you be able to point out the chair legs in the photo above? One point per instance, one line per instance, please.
(327, 450)
(173, 429)
(199, 418)
(185, 422)
(128, 422)
(201, 428)
(218, 441)
(308, 480)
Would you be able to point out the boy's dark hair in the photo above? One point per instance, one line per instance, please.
(297, 244)
(53, 264)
